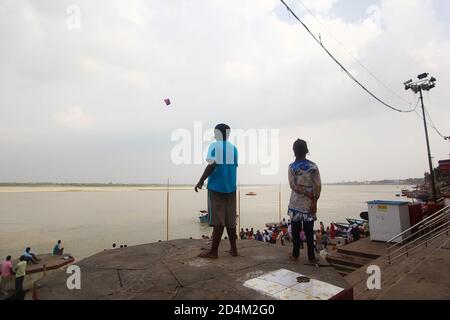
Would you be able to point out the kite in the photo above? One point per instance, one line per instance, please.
(167, 101)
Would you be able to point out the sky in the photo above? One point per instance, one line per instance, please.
(83, 82)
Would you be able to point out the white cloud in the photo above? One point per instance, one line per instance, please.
(74, 119)
(220, 61)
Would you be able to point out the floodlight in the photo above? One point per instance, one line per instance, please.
(408, 82)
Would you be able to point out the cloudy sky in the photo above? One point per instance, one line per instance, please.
(84, 102)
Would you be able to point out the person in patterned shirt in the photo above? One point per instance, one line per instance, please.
(306, 185)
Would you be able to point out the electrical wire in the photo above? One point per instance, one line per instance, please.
(351, 55)
(430, 121)
(349, 74)
(433, 126)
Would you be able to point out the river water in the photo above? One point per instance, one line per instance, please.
(89, 221)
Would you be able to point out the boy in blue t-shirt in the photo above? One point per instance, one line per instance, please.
(221, 174)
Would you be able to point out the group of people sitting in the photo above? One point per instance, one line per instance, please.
(17, 272)
(279, 233)
(356, 232)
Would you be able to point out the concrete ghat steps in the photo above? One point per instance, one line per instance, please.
(347, 260)
(392, 275)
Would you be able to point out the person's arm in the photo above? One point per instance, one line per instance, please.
(208, 170)
(317, 184)
(317, 188)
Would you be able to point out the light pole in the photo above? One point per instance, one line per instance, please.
(424, 84)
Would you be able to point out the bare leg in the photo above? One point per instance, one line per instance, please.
(232, 236)
(216, 237)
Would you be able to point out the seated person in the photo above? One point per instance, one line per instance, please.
(57, 249)
(29, 256)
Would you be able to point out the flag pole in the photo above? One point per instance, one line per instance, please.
(167, 211)
(239, 208)
(279, 203)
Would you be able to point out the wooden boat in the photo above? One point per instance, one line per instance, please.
(48, 262)
(342, 225)
(357, 221)
(46, 265)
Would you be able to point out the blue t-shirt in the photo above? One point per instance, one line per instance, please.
(223, 177)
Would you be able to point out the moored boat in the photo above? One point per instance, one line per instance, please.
(204, 216)
(355, 221)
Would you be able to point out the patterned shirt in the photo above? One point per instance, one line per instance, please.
(304, 179)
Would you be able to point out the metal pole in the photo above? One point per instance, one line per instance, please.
(239, 207)
(433, 185)
(167, 212)
(279, 203)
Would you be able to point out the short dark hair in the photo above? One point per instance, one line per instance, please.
(8, 258)
(224, 129)
(22, 258)
(300, 148)
(27, 249)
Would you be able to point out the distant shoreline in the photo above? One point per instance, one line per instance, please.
(37, 187)
(412, 181)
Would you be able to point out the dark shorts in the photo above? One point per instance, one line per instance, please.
(222, 209)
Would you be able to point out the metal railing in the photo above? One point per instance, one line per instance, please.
(427, 230)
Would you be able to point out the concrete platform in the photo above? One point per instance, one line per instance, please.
(172, 270)
(364, 248)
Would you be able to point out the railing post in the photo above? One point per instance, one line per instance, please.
(389, 255)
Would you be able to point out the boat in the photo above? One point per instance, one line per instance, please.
(251, 193)
(341, 228)
(204, 216)
(342, 225)
(355, 221)
(364, 215)
(46, 265)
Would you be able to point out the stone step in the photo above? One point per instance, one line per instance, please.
(354, 262)
(391, 274)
